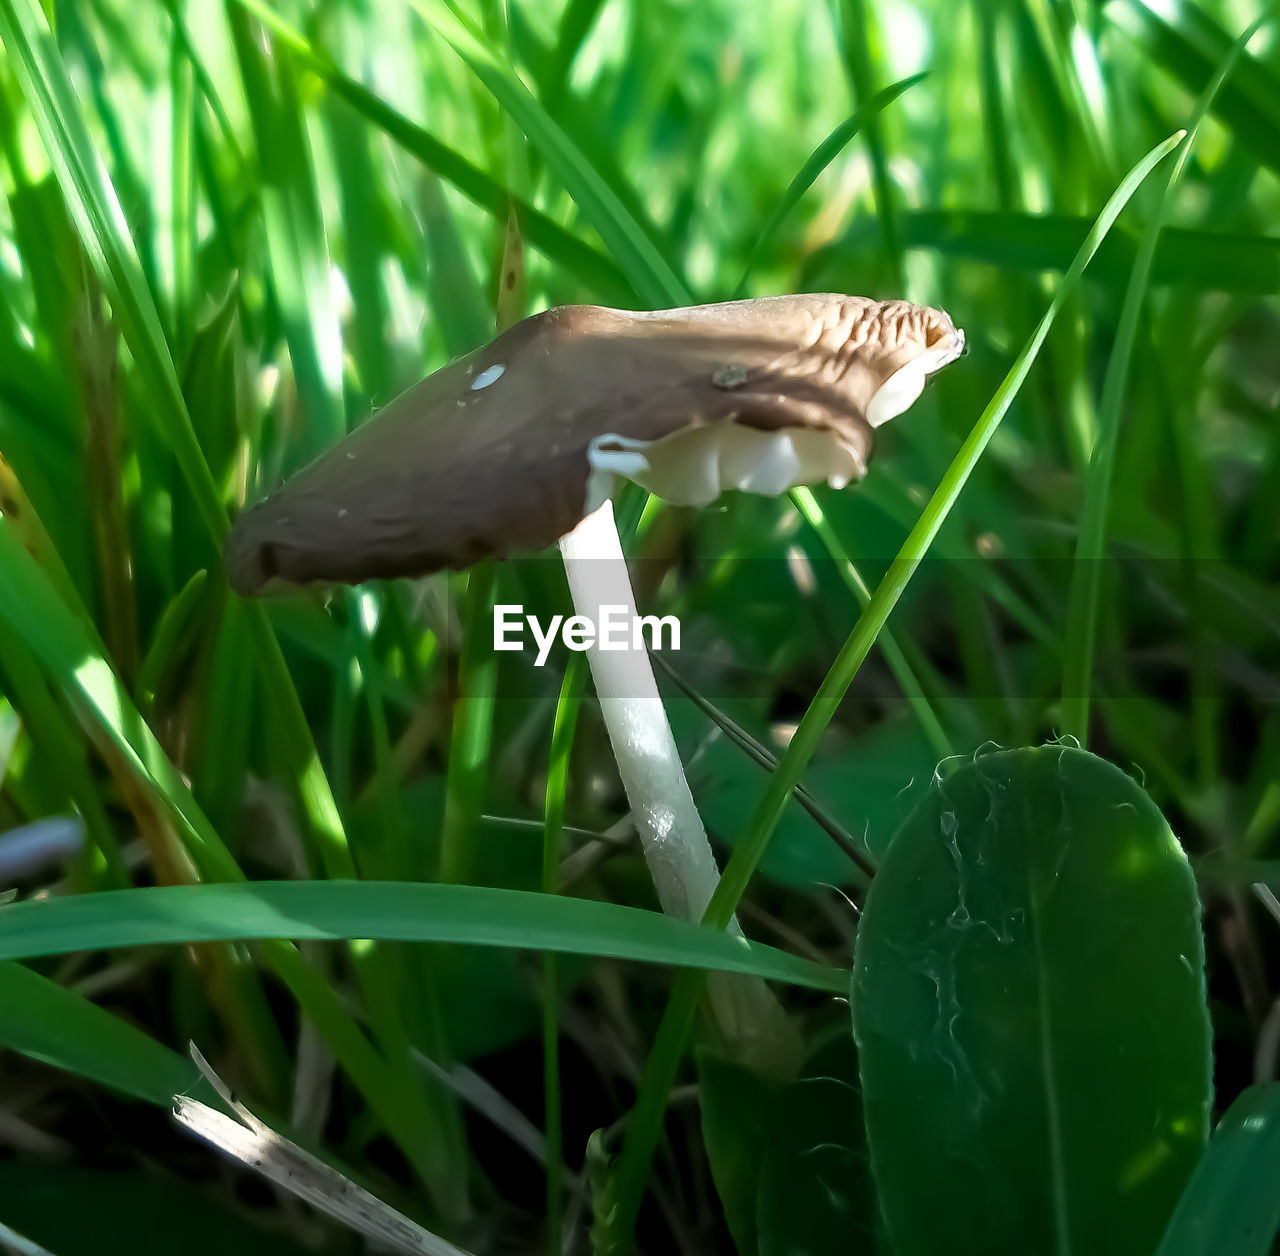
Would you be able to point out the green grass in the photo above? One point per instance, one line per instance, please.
(231, 231)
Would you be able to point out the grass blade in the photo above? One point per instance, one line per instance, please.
(1208, 261)
(47, 1022)
(104, 232)
(1086, 571)
(637, 255)
(916, 698)
(468, 770)
(887, 593)
(860, 45)
(562, 734)
(817, 162)
(575, 24)
(406, 911)
(1188, 46)
(296, 246)
(579, 259)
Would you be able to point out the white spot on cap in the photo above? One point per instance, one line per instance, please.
(487, 377)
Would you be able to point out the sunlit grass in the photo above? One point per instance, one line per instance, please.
(231, 232)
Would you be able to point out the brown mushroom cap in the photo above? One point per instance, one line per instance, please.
(493, 454)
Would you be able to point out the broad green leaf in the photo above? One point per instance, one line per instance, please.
(816, 1196)
(1029, 1003)
(1232, 1203)
(736, 1105)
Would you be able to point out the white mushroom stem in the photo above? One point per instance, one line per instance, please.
(662, 808)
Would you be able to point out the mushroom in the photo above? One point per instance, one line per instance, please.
(518, 445)
(511, 447)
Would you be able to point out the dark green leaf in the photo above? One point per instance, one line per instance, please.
(1029, 1003)
(1232, 1203)
(737, 1110)
(816, 1196)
